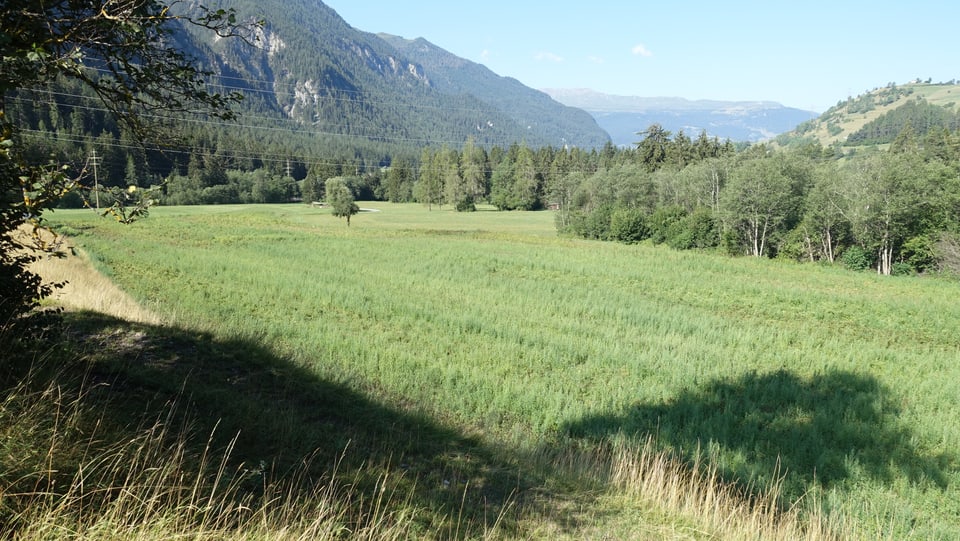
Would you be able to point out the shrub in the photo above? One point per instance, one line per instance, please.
(902, 268)
(594, 224)
(662, 220)
(466, 204)
(220, 194)
(628, 225)
(920, 253)
(731, 243)
(71, 200)
(181, 190)
(793, 245)
(696, 230)
(856, 258)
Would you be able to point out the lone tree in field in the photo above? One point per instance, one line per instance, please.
(121, 50)
(340, 198)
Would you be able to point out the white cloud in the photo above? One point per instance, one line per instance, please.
(548, 57)
(485, 54)
(596, 59)
(641, 50)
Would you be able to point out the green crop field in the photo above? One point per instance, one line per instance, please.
(843, 387)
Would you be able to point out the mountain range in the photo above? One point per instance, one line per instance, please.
(531, 109)
(312, 67)
(624, 116)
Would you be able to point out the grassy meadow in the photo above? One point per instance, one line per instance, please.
(506, 383)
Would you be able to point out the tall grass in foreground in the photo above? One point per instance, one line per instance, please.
(649, 474)
(71, 482)
(66, 476)
(652, 494)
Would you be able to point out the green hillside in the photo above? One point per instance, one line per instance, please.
(848, 117)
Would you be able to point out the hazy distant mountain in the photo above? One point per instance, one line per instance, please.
(314, 68)
(624, 116)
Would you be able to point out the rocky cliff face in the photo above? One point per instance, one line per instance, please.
(312, 67)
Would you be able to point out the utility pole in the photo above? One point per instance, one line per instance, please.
(94, 160)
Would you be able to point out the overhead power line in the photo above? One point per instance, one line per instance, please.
(227, 153)
(253, 122)
(281, 124)
(350, 96)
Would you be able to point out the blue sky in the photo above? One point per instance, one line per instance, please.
(808, 54)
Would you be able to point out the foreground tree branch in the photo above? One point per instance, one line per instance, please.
(125, 51)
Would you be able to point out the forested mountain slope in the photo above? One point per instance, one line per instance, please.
(320, 98)
(316, 69)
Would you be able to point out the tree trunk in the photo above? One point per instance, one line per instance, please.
(809, 245)
(828, 244)
(885, 266)
(762, 238)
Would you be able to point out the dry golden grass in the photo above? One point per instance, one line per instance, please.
(152, 487)
(849, 123)
(698, 492)
(653, 495)
(86, 288)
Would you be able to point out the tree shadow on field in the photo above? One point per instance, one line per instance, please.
(820, 431)
(278, 420)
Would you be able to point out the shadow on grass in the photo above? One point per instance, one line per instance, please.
(822, 431)
(279, 418)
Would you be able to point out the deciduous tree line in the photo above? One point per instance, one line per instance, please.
(896, 210)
